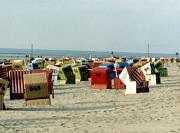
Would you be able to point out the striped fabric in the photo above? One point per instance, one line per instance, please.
(3, 72)
(16, 78)
(153, 69)
(135, 76)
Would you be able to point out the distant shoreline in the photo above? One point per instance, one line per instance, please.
(7, 52)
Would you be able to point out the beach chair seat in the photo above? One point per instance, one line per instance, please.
(16, 79)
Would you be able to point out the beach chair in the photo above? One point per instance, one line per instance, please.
(112, 73)
(151, 74)
(3, 88)
(118, 84)
(80, 72)
(32, 66)
(141, 85)
(16, 79)
(17, 64)
(96, 64)
(100, 78)
(155, 71)
(49, 79)
(36, 89)
(66, 75)
(49, 62)
(119, 66)
(3, 72)
(40, 62)
(134, 83)
(91, 64)
(55, 75)
(130, 86)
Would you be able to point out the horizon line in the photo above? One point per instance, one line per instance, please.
(90, 50)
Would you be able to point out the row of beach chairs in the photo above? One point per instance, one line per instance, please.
(130, 78)
(28, 85)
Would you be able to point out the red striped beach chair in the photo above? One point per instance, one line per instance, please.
(16, 78)
(141, 85)
(49, 79)
(133, 81)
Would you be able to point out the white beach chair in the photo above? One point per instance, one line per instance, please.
(130, 85)
(147, 71)
(55, 74)
(133, 81)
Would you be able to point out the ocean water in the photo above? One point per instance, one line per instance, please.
(71, 53)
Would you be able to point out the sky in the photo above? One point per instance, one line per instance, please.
(95, 25)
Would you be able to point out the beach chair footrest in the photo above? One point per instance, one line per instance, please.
(41, 101)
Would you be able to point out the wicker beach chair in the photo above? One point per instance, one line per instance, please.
(36, 89)
(49, 79)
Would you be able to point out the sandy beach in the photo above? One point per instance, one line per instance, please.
(79, 109)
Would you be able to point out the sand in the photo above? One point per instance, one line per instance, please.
(77, 108)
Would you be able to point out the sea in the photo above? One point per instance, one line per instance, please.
(12, 52)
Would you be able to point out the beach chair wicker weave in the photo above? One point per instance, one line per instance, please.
(49, 79)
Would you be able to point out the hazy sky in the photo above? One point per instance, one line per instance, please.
(119, 25)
